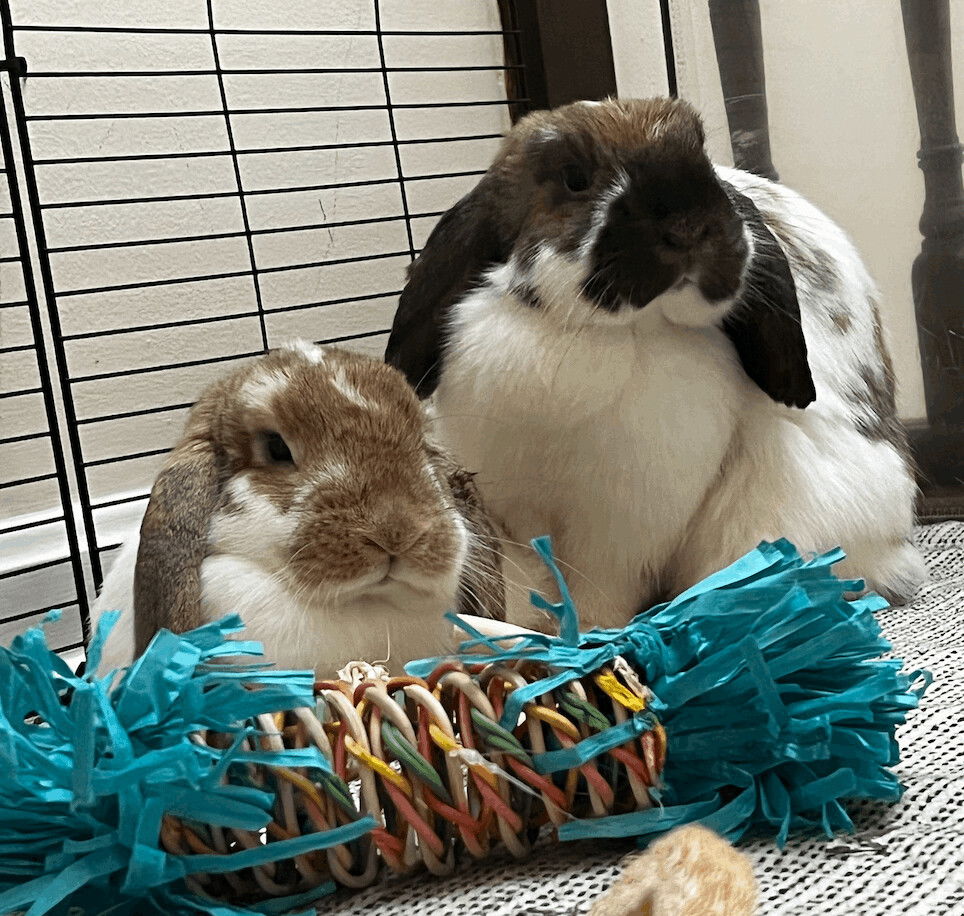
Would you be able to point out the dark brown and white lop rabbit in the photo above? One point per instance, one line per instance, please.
(657, 361)
(306, 496)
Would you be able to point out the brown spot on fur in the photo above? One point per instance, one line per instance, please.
(482, 588)
(876, 415)
(841, 321)
(230, 506)
(881, 347)
(618, 126)
(527, 294)
(877, 419)
(811, 266)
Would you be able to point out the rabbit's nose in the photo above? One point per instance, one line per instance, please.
(397, 537)
(683, 236)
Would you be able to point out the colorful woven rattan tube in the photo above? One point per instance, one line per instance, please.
(433, 767)
(759, 699)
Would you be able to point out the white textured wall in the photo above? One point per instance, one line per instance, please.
(842, 123)
(637, 40)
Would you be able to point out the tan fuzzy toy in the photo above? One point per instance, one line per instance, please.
(689, 872)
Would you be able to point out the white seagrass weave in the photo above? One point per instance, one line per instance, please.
(906, 858)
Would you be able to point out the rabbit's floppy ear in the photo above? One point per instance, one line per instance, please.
(466, 240)
(764, 325)
(173, 538)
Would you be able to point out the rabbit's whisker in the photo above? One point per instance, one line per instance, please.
(574, 569)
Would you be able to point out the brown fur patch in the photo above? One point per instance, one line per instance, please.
(841, 321)
(876, 413)
(617, 126)
(812, 266)
(482, 589)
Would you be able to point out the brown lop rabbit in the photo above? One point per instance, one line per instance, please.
(306, 496)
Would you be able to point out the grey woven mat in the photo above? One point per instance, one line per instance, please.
(906, 858)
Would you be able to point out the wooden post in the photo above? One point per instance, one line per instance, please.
(938, 272)
(738, 40)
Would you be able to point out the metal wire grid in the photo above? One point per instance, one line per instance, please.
(158, 356)
(31, 455)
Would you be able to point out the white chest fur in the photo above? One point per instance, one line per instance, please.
(606, 436)
(398, 625)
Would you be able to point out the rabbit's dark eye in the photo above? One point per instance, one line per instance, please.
(574, 177)
(277, 449)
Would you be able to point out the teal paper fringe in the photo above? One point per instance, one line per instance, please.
(771, 687)
(776, 702)
(82, 795)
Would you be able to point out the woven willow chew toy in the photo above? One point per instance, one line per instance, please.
(194, 785)
(463, 782)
